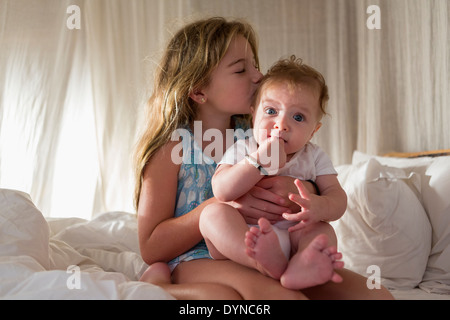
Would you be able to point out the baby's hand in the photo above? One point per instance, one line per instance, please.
(305, 200)
(277, 140)
(271, 154)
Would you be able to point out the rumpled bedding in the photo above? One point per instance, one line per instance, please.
(69, 258)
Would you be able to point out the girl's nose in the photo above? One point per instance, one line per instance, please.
(256, 76)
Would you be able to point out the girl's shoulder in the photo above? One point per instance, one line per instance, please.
(163, 157)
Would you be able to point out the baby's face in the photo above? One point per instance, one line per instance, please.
(292, 115)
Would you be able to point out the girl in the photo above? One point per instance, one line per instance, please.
(209, 73)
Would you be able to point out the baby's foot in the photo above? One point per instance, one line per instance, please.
(313, 266)
(157, 273)
(263, 246)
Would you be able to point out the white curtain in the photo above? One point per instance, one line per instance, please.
(71, 100)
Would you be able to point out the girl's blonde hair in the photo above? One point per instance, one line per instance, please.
(190, 57)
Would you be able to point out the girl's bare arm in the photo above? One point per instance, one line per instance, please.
(162, 236)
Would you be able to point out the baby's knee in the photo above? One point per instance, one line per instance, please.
(211, 210)
(304, 236)
(329, 231)
(323, 227)
(210, 214)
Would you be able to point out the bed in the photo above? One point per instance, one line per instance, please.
(396, 232)
(69, 258)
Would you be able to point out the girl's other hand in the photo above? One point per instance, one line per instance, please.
(269, 199)
(259, 202)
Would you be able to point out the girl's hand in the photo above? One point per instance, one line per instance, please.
(308, 213)
(260, 202)
(283, 186)
(269, 199)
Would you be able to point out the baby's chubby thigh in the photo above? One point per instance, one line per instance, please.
(300, 239)
(217, 217)
(221, 225)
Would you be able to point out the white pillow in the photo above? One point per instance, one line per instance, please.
(23, 229)
(435, 198)
(385, 225)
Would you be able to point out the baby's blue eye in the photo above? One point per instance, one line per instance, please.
(270, 111)
(298, 117)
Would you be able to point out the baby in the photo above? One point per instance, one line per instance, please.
(301, 250)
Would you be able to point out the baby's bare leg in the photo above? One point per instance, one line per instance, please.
(300, 239)
(315, 260)
(224, 228)
(263, 246)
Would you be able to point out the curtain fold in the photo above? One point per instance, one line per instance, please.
(72, 100)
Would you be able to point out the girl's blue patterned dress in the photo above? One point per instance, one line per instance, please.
(194, 185)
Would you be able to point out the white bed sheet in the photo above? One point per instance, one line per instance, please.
(418, 294)
(69, 258)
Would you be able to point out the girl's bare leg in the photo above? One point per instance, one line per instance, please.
(249, 283)
(159, 274)
(352, 287)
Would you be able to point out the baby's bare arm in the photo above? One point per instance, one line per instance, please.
(230, 182)
(335, 198)
(233, 181)
(329, 206)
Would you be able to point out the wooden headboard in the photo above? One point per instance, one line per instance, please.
(434, 153)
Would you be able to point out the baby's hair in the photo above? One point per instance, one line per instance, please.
(294, 72)
(191, 56)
